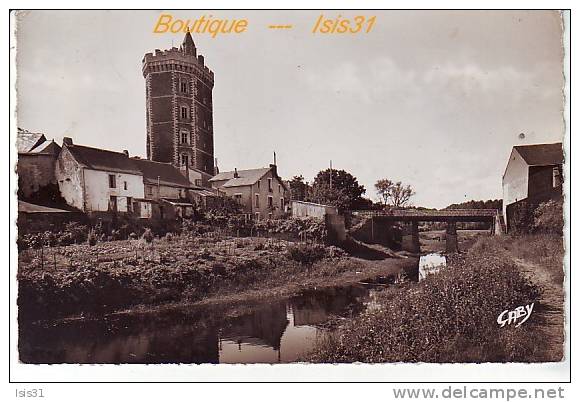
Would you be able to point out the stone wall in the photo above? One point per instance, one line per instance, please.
(34, 172)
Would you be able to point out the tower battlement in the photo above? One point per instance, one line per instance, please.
(179, 107)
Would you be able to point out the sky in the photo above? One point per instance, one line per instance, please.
(435, 99)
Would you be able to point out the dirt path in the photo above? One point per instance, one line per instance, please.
(550, 309)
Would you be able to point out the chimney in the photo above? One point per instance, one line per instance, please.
(126, 153)
(67, 141)
(236, 175)
(274, 169)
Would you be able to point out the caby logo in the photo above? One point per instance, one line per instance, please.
(511, 317)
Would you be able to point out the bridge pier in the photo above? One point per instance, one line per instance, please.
(411, 237)
(451, 238)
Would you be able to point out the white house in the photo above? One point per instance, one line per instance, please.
(533, 174)
(96, 180)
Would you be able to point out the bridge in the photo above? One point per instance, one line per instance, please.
(411, 218)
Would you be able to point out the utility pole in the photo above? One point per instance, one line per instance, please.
(331, 174)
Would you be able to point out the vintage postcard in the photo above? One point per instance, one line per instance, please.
(203, 188)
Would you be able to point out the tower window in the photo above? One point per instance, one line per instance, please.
(184, 160)
(183, 86)
(184, 112)
(184, 137)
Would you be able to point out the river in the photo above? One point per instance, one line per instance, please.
(279, 331)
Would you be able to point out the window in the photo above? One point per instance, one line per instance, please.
(113, 203)
(258, 184)
(270, 201)
(184, 112)
(112, 181)
(282, 203)
(238, 198)
(149, 190)
(184, 137)
(198, 182)
(257, 200)
(183, 86)
(257, 216)
(184, 160)
(279, 189)
(129, 204)
(125, 185)
(270, 185)
(556, 177)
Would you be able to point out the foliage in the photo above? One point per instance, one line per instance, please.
(306, 253)
(324, 194)
(345, 188)
(472, 204)
(549, 217)
(298, 188)
(395, 194)
(147, 235)
(449, 317)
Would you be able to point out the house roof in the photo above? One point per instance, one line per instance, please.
(168, 174)
(542, 154)
(27, 141)
(102, 159)
(245, 177)
(47, 147)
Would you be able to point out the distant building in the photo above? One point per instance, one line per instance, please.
(179, 107)
(36, 159)
(261, 192)
(172, 195)
(100, 181)
(533, 175)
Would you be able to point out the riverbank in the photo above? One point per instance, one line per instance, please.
(451, 316)
(129, 275)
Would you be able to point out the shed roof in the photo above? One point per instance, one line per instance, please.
(102, 159)
(47, 147)
(542, 154)
(29, 208)
(168, 174)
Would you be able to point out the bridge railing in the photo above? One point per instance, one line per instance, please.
(447, 213)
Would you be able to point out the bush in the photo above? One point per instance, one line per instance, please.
(78, 233)
(148, 235)
(168, 237)
(549, 217)
(92, 238)
(306, 254)
(449, 317)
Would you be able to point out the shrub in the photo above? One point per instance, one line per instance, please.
(449, 317)
(92, 238)
(306, 254)
(78, 233)
(148, 235)
(549, 217)
(168, 237)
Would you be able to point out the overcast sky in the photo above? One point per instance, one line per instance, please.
(433, 98)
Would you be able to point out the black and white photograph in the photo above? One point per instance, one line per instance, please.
(291, 188)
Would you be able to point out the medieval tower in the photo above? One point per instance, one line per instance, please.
(179, 107)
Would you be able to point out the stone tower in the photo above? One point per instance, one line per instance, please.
(179, 107)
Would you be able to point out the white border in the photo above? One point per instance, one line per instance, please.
(297, 372)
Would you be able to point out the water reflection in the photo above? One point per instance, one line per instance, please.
(431, 264)
(272, 332)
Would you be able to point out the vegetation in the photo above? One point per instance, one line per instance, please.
(395, 194)
(449, 317)
(472, 204)
(79, 278)
(549, 217)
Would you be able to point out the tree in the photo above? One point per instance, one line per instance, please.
(323, 194)
(394, 194)
(298, 188)
(344, 185)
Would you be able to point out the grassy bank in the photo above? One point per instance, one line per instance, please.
(451, 316)
(117, 275)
